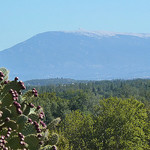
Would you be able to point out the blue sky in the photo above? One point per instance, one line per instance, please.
(21, 19)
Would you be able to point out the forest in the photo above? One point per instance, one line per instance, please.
(99, 115)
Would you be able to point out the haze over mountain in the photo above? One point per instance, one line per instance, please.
(79, 55)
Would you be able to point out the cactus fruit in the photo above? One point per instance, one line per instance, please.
(21, 125)
(16, 78)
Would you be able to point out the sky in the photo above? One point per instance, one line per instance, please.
(22, 19)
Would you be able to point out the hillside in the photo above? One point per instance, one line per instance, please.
(52, 81)
(79, 55)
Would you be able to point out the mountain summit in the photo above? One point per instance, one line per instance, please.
(79, 55)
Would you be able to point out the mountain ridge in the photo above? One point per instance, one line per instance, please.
(92, 33)
(79, 55)
(108, 33)
(53, 81)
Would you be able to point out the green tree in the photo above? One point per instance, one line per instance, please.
(78, 129)
(53, 106)
(121, 124)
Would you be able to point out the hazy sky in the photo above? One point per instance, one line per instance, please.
(21, 19)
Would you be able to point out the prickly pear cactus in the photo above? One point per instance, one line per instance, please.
(21, 123)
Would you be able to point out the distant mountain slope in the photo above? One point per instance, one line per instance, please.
(52, 81)
(79, 55)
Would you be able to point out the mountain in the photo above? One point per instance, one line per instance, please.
(79, 55)
(53, 81)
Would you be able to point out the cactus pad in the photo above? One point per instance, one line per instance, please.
(21, 126)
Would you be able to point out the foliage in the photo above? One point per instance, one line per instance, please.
(53, 106)
(78, 129)
(137, 88)
(121, 124)
(116, 124)
(93, 119)
(21, 122)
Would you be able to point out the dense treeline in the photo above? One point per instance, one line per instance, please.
(116, 124)
(99, 115)
(138, 88)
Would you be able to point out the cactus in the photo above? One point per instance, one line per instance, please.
(21, 125)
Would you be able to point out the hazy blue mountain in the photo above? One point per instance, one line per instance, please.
(53, 81)
(79, 55)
